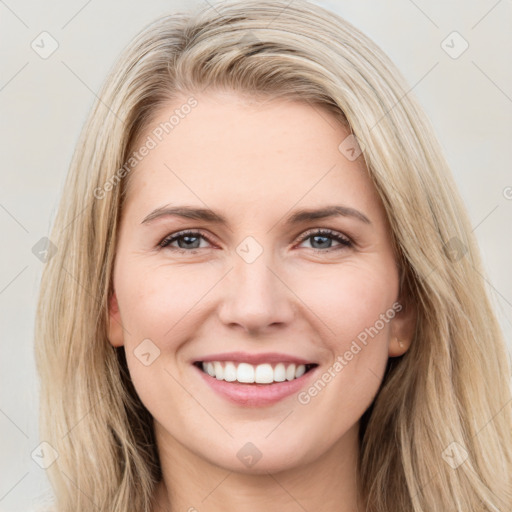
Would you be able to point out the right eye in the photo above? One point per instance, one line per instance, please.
(188, 240)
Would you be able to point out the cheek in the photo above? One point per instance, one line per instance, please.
(349, 299)
(155, 302)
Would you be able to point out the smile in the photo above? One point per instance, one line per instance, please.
(246, 373)
(255, 380)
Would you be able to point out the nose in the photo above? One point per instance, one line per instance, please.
(255, 297)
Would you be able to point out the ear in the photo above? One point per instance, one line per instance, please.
(403, 327)
(115, 327)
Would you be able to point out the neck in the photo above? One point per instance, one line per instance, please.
(193, 484)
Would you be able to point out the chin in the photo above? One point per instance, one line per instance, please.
(250, 459)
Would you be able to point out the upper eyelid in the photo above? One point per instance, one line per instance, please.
(326, 231)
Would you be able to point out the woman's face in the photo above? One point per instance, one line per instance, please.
(253, 289)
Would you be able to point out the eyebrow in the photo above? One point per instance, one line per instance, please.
(299, 216)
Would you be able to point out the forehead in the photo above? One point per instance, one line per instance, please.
(236, 152)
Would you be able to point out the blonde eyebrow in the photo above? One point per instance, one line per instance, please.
(297, 217)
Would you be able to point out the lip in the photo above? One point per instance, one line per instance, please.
(255, 395)
(245, 357)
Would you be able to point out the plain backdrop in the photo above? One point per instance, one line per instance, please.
(44, 104)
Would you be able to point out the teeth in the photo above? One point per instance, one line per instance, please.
(301, 370)
(210, 370)
(264, 374)
(280, 372)
(249, 374)
(290, 372)
(229, 372)
(245, 373)
(219, 370)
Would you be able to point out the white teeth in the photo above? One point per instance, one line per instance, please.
(248, 374)
(280, 372)
(210, 370)
(264, 374)
(229, 372)
(301, 370)
(219, 371)
(245, 373)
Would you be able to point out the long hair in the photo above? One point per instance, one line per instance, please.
(437, 436)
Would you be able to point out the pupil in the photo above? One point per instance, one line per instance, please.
(326, 239)
(187, 240)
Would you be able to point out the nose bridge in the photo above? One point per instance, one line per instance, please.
(254, 278)
(255, 297)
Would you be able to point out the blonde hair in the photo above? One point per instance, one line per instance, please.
(452, 386)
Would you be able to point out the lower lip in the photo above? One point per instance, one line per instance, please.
(256, 395)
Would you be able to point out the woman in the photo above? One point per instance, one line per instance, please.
(267, 292)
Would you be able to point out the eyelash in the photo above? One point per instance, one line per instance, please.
(344, 241)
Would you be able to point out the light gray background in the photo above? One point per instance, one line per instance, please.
(44, 103)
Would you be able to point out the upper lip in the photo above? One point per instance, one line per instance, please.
(245, 357)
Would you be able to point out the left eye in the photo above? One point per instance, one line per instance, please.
(321, 236)
(188, 240)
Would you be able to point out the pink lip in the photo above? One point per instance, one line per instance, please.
(255, 395)
(264, 357)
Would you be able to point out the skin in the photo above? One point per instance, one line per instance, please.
(255, 164)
